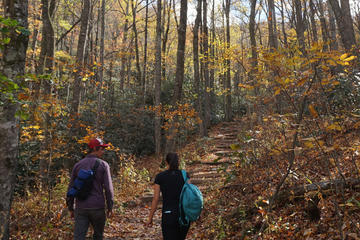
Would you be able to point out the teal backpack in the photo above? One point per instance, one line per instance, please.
(191, 202)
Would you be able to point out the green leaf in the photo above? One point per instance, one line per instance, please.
(6, 40)
(22, 115)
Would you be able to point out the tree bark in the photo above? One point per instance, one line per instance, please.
(300, 25)
(252, 30)
(46, 65)
(273, 43)
(165, 36)
(144, 82)
(323, 25)
(228, 107)
(13, 67)
(332, 26)
(137, 58)
(80, 57)
(344, 22)
(180, 59)
(283, 24)
(102, 62)
(212, 57)
(179, 75)
(124, 42)
(157, 76)
(207, 90)
(312, 21)
(198, 103)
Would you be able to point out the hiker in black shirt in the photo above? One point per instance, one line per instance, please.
(170, 183)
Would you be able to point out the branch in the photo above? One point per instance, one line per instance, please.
(66, 33)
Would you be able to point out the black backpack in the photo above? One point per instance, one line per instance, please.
(83, 183)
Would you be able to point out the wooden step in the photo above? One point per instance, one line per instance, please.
(223, 153)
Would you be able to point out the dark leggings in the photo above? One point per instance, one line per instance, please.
(171, 229)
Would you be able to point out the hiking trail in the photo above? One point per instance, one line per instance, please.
(208, 174)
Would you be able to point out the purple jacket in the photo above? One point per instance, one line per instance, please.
(102, 182)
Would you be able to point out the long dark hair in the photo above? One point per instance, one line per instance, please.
(173, 160)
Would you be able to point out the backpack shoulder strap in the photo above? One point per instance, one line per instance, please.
(96, 165)
(184, 175)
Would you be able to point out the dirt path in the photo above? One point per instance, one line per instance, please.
(204, 173)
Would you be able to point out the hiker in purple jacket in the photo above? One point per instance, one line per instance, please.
(92, 209)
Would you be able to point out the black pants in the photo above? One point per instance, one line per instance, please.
(84, 217)
(171, 229)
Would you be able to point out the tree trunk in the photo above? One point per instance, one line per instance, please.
(165, 37)
(80, 57)
(124, 42)
(157, 76)
(102, 63)
(207, 89)
(137, 58)
(252, 31)
(46, 65)
(179, 75)
(344, 22)
(198, 103)
(323, 25)
(14, 55)
(332, 25)
(144, 82)
(300, 25)
(212, 57)
(180, 59)
(273, 43)
(313, 22)
(228, 107)
(283, 24)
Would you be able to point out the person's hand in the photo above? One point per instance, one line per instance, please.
(109, 213)
(149, 223)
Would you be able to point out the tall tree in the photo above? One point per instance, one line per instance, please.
(198, 104)
(13, 67)
(252, 30)
(205, 46)
(157, 76)
(180, 59)
(228, 107)
(46, 65)
(332, 28)
(137, 56)
(283, 23)
(323, 25)
(102, 63)
(165, 34)
(273, 42)
(313, 21)
(144, 82)
(85, 14)
(344, 22)
(124, 43)
(300, 24)
(179, 74)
